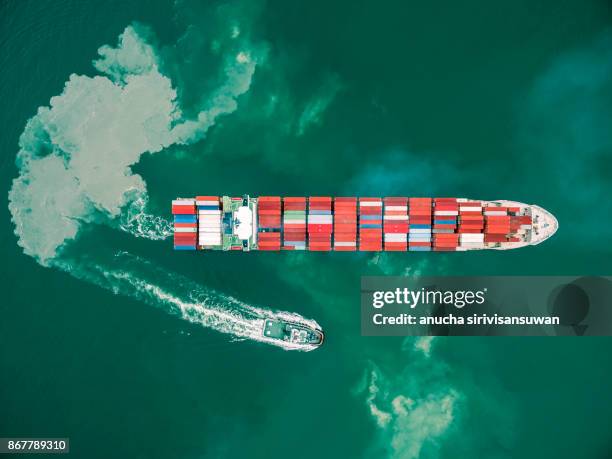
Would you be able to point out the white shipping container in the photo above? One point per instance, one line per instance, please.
(420, 231)
(472, 237)
(185, 230)
(396, 208)
(322, 219)
(209, 212)
(370, 204)
(470, 208)
(446, 212)
(209, 240)
(396, 237)
(210, 219)
(396, 217)
(496, 213)
(205, 234)
(210, 225)
(183, 202)
(345, 244)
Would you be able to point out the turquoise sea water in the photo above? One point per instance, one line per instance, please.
(485, 100)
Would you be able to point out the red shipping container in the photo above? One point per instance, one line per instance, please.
(396, 246)
(397, 229)
(420, 220)
(183, 210)
(495, 238)
(370, 248)
(344, 249)
(344, 237)
(269, 212)
(419, 244)
(185, 241)
(497, 230)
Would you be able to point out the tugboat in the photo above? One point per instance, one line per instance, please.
(293, 333)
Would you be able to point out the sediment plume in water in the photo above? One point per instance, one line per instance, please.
(75, 161)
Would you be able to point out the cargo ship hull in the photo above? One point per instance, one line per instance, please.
(273, 223)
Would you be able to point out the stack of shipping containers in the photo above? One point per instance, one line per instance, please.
(497, 224)
(446, 212)
(471, 219)
(269, 221)
(395, 224)
(320, 223)
(419, 224)
(370, 224)
(366, 224)
(515, 225)
(209, 221)
(185, 224)
(345, 224)
(294, 223)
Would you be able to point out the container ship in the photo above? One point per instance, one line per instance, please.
(320, 223)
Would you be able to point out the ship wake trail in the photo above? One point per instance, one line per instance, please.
(138, 278)
(75, 170)
(136, 221)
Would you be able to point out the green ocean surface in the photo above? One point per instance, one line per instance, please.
(486, 100)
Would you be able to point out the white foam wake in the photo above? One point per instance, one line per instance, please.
(178, 295)
(138, 222)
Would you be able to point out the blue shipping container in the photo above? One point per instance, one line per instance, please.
(184, 247)
(185, 218)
